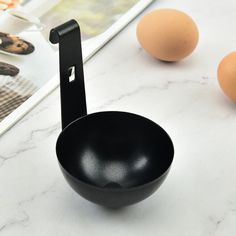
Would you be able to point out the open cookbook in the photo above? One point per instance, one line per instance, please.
(29, 63)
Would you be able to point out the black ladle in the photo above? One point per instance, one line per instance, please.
(110, 158)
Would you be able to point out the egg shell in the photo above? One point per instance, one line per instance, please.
(227, 75)
(168, 34)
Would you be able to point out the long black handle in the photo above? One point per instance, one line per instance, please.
(73, 99)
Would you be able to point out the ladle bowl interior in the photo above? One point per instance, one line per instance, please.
(114, 158)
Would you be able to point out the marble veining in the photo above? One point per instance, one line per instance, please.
(199, 195)
(21, 219)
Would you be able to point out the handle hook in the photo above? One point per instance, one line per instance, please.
(73, 98)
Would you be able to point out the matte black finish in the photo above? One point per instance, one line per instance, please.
(110, 158)
(73, 103)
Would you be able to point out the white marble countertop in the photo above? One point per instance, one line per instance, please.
(199, 196)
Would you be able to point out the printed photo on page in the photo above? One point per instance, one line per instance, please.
(27, 60)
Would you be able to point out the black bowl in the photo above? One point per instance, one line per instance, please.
(114, 158)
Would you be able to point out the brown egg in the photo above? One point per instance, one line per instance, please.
(227, 75)
(168, 34)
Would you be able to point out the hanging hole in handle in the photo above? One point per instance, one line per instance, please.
(71, 71)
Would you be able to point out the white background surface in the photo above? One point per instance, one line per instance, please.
(199, 196)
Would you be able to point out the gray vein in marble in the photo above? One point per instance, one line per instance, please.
(24, 218)
(14, 154)
(217, 223)
(31, 143)
(44, 132)
(22, 221)
(167, 84)
(36, 196)
(123, 96)
(202, 81)
(220, 220)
